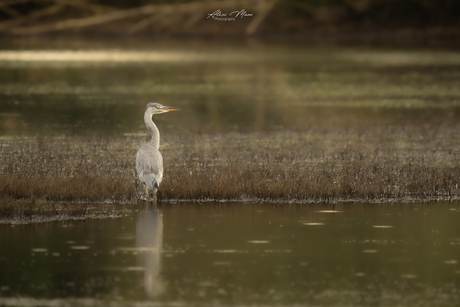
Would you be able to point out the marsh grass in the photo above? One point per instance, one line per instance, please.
(329, 164)
(365, 164)
(63, 170)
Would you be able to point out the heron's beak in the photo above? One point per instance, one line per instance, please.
(169, 109)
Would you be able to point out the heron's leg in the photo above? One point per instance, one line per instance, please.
(147, 192)
(155, 199)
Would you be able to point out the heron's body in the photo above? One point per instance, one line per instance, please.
(149, 161)
(149, 165)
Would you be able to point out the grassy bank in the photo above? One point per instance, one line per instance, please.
(367, 164)
(328, 164)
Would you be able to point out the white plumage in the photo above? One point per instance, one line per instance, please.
(149, 161)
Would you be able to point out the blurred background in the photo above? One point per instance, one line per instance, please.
(349, 19)
(76, 66)
(332, 95)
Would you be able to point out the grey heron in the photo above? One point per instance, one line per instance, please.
(149, 161)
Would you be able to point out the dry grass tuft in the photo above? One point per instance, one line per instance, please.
(67, 170)
(356, 164)
(360, 163)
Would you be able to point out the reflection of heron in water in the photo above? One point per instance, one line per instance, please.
(149, 162)
(149, 240)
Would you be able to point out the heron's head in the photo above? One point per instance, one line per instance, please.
(157, 108)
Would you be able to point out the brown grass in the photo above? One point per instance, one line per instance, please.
(356, 164)
(66, 170)
(360, 163)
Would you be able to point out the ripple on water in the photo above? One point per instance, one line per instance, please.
(135, 269)
(139, 249)
(370, 251)
(225, 263)
(227, 251)
(408, 276)
(39, 250)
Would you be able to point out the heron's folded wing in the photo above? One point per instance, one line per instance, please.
(149, 165)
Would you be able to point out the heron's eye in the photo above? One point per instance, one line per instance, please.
(158, 107)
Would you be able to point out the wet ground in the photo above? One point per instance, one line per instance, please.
(238, 254)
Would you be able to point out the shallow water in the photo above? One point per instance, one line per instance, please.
(232, 254)
(240, 255)
(48, 89)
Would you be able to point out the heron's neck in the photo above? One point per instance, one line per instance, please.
(153, 130)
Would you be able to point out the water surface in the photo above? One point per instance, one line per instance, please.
(238, 88)
(232, 254)
(239, 254)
